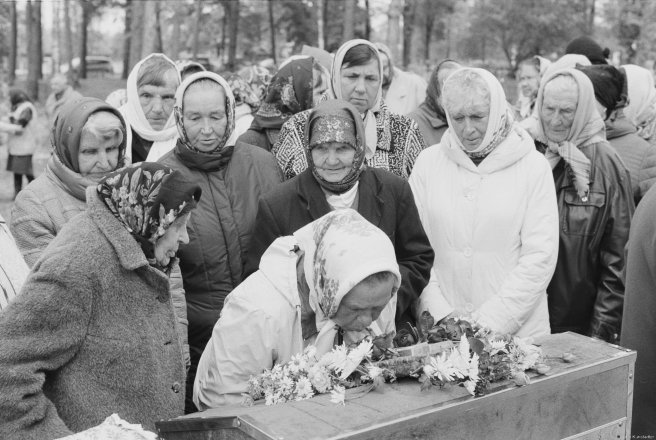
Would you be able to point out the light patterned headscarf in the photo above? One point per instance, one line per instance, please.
(587, 128)
(341, 249)
(641, 110)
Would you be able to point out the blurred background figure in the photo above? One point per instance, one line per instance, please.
(430, 115)
(641, 109)
(22, 138)
(62, 93)
(117, 98)
(529, 74)
(589, 48)
(402, 91)
(247, 102)
(187, 68)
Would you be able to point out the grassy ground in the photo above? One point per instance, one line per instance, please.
(97, 88)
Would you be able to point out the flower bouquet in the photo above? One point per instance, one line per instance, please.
(304, 376)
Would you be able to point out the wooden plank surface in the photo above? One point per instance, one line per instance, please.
(404, 406)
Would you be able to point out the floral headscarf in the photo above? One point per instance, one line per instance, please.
(227, 144)
(243, 92)
(336, 121)
(289, 92)
(146, 198)
(499, 124)
(587, 128)
(258, 78)
(341, 249)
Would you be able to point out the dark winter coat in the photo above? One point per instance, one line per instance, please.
(93, 332)
(384, 199)
(263, 138)
(638, 323)
(586, 293)
(219, 231)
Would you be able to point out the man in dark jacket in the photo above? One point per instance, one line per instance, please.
(639, 326)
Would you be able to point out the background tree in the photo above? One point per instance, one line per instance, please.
(35, 47)
(13, 44)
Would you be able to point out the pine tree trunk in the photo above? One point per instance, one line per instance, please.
(326, 20)
(177, 25)
(367, 23)
(408, 27)
(394, 28)
(199, 9)
(349, 20)
(68, 37)
(13, 44)
(84, 32)
(136, 31)
(233, 34)
(127, 40)
(34, 55)
(272, 31)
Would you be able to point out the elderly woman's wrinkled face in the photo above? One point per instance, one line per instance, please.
(333, 160)
(360, 85)
(470, 122)
(529, 80)
(97, 156)
(204, 117)
(363, 305)
(157, 102)
(167, 245)
(557, 113)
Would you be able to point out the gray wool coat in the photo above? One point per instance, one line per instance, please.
(92, 333)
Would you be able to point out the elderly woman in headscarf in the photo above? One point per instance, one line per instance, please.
(595, 203)
(638, 155)
(495, 232)
(641, 109)
(22, 138)
(327, 283)
(89, 141)
(337, 179)
(151, 90)
(430, 115)
(529, 75)
(233, 175)
(296, 87)
(93, 331)
(392, 141)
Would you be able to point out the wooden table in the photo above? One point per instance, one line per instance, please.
(590, 398)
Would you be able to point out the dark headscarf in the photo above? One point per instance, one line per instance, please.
(590, 48)
(67, 130)
(146, 198)
(17, 97)
(433, 92)
(290, 92)
(336, 121)
(609, 86)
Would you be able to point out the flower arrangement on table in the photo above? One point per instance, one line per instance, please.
(479, 358)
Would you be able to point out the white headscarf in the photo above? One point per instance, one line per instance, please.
(231, 135)
(500, 121)
(341, 249)
(164, 139)
(336, 92)
(641, 110)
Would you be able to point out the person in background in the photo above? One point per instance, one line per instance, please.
(495, 231)
(392, 141)
(296, 87)
(61, 93)
(246, 103)
(148, 112)
(117, 98)
(93, 331)
(529, 75)
(258, 78)
(13, 270)
(430, 115)
(22, 138)
(589, 48)
(187, 68)
(233, 176)
(641, 109)
(638, 155)
(595, 204)
(403, 91)
(638, 324)
(329, 281)
(338, 179)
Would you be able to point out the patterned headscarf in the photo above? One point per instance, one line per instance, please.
(341, 249)
(336, 121)
(146, 198)
(226, 146)
(499, 124)
(641, 110)
(243, 92)
(290, 92)
(258, 78)
(587, 128)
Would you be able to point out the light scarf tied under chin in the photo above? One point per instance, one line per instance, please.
(577, 161)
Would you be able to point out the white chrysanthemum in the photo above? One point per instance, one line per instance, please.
(470, 386)
(338, 394)
(373, 371)
(304, 388)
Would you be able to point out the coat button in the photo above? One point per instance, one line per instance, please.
(470, 195)
(469, 307)
(176, 387)
(468, 252)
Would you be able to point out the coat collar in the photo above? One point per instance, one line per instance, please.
(370, 205)
(127, 249)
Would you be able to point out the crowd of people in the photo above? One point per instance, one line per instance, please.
(197, 228)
